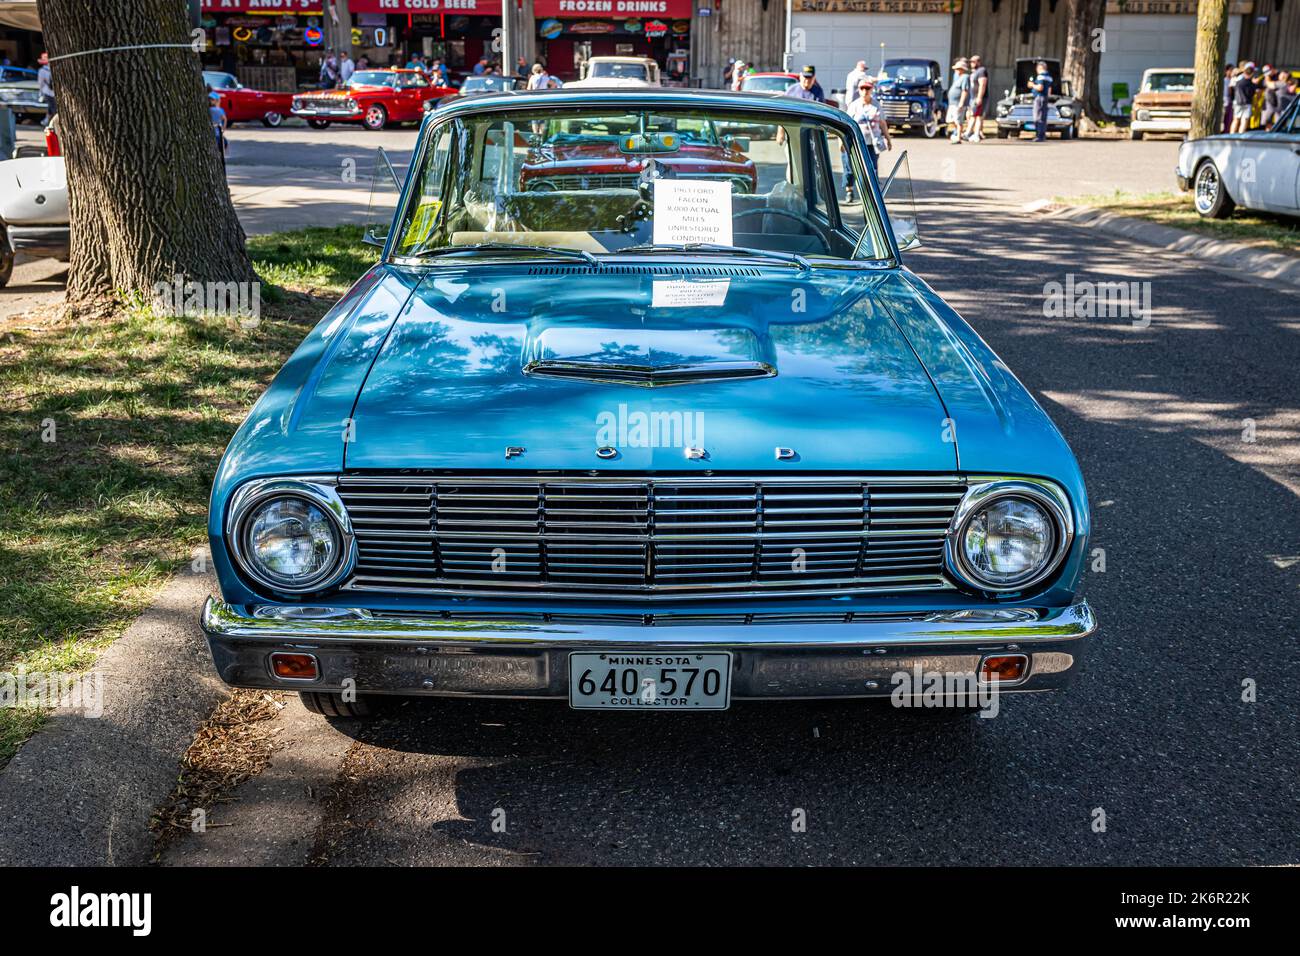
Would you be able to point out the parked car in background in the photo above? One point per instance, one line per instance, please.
(22, 94)
(1258, 169)
(1015, 111)
(615, 71)
(667, 487)
(33, 210)
(243, 105)
(909, 92)
(477, 85)
(595, 156)
(775, 84)
(1163, 103)
(373, 98)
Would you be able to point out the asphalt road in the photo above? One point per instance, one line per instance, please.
(1199, 593)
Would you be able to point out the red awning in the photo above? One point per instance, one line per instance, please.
(611, 9)
(262, 6)
(491, 8)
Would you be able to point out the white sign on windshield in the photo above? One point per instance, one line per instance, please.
(682, 293)
(692, 210)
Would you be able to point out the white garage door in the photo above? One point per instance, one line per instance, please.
(1139, 41)
(834, 42)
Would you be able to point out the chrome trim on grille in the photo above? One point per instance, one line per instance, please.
(637, 537)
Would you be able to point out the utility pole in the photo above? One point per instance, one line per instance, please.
(507, 37)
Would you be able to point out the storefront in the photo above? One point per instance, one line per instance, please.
(572, 31)
(269, 44)
(455, 31)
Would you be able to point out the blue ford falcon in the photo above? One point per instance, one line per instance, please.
(637, 411)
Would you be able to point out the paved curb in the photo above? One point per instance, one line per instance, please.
(81, 791)
(1232, 257)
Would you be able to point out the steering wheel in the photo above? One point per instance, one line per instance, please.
(797, 217)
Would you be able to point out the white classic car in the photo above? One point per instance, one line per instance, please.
(1258, 169)
(617, 71)
(33, 210)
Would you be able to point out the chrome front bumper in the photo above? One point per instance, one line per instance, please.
(773, 657)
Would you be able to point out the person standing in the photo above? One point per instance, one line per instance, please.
(1229, 73)
(346, 68)
(1271, 86)
(219, 122)
(1286, 92)
(45, 86)
(807, 87)
(958, 99)
(875, 128)
(481, 66)
(329, 71)
(737, 75)
(539, 80)
(979, 97)
(1243, 99)
(1041, 87)
(852, 81)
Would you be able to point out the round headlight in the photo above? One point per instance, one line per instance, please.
(916, 107)
(1008, 535)
(1065, 111)
(1007, 541)
(291, 543)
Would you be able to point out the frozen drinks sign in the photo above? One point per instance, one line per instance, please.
(692, 210)
(619, 9)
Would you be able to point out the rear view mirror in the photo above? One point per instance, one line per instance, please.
(900, 205)
(385, 188)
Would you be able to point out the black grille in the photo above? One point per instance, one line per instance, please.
(640, 536)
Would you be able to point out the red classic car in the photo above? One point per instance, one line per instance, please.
(242, 104)
(372, 98)
(574, 155)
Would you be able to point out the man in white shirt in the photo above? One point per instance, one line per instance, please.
(346, 68)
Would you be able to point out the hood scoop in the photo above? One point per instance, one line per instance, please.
(648, 357)
(720, 272)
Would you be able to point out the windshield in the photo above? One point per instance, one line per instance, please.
(219, 81)
(619, 71)
(371, 78)
(601, 180)
(766, 84)
(905, 72)
(1168, 83)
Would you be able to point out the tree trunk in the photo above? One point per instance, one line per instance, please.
(1211, 52)
(1083, 48)
(148, 198)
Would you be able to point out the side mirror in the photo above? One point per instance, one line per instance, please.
(900, 205)
(385, 188)
(738, 143)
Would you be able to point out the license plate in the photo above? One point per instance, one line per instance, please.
(658, 681)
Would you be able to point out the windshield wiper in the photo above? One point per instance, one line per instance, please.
(512, 247)
(794, 257)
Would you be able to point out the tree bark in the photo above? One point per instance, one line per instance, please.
(147, 191)
(1083, 49)
(1211, 53)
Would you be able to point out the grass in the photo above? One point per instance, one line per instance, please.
(112, 433)
(1267, 231)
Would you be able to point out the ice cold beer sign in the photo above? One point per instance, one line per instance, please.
(688, 210)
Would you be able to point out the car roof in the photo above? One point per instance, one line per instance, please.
(919, 60)
(651, 96)
(792, 76)
(620, 59)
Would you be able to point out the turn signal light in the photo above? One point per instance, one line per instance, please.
(294, 666)
(1003, 668)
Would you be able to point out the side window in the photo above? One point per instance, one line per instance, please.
(427, 208)
(853, 214)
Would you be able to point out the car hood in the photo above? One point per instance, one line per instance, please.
(553, 360)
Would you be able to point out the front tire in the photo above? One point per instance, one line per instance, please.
(315, 123)
(931, 128)
(376, 118)
(333, 705)
(1004, 133)
(272, 120)
(1134, 134)
(1209, 195)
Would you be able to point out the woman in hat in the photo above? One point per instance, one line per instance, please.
(958, 99)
